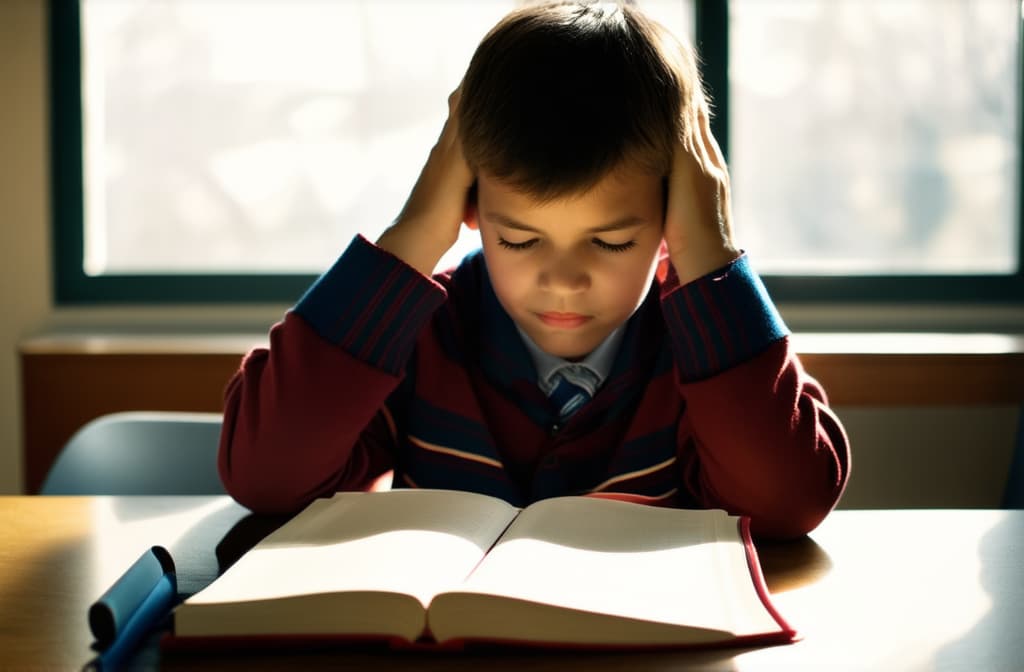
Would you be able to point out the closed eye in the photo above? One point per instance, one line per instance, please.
(525, 245)
(612, 247)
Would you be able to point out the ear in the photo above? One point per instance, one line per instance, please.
(469, 216)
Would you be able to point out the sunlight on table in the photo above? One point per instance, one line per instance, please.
(118, 540)
(34, 550)
(892, 610)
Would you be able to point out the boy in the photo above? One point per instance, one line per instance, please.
(608, 338)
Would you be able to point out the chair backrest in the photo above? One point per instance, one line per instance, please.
(140, 453)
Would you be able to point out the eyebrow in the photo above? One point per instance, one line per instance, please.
(627, 222)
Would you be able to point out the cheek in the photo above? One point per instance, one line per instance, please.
(628, 283)
(508, 277)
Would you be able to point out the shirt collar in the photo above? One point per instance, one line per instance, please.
(600, 361)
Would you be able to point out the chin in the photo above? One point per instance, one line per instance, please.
(562, 347)
(568, 355)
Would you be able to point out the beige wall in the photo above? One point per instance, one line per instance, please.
(25, 263)
(24, 227)
(903, 457)
(928, 457)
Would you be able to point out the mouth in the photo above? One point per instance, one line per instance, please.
(564, 320)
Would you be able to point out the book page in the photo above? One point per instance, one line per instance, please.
(644, 571)
(411, 542)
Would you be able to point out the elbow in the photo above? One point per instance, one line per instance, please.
(260, 485)
(786, 501)
(263, 493)
(254, 493)
(781, 510)
(793, 520)
(794, 508)
(258, 502)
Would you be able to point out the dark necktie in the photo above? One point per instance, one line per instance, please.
(573, 385)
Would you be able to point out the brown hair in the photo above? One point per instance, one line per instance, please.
(557, 95)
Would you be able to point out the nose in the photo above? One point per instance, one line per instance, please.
(565, 274)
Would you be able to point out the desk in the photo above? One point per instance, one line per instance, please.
(870, 590)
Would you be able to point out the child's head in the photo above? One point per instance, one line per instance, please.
(559, 94)
(569, 116)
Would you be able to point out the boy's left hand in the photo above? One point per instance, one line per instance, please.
(698, 227)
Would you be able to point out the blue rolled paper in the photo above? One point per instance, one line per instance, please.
(153, 609)
(138, 600)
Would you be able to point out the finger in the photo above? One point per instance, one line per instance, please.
(448, 132)
(690, 153)
(702, 149)
(710, 143)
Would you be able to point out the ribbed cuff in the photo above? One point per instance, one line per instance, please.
(720, 320)
(372, 304)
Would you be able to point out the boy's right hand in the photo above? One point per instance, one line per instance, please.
(430, 221)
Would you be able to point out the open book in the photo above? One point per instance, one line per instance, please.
(450, 568)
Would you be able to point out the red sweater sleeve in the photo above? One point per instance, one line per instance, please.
(307, 416)
(758, 437)
(768, 445)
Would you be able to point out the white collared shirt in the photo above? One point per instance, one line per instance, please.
(599, 362)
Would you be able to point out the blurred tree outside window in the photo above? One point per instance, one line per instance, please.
(876, 137)
(868, 139)
(223, 136)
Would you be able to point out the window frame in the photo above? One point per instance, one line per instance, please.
(72, 286)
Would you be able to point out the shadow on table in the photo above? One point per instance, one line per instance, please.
(995, 642)
(197, 553)
(245, 534)
(792, 564)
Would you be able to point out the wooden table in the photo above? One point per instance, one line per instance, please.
(870, 590)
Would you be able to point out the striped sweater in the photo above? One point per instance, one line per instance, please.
(380, 368)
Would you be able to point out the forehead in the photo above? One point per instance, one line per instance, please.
(620, 193)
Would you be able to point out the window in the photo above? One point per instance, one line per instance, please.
(205, 153)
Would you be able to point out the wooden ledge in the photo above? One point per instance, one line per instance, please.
(883, 369)
(909, 369)
(806, 343)
(69, 379)
(100, 343)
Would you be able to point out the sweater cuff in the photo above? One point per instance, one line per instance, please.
(371, 304)
(720, 320)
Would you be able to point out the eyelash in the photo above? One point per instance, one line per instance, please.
(608, 247)
(517, 246)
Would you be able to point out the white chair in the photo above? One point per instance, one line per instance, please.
(140, 453)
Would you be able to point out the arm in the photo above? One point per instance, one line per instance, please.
(308, 416)
(765, 441)
(439, 203)
(758, 437)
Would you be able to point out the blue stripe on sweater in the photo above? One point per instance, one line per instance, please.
(441, 427)
(344, 305)
(741, 302)
(642, 451)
